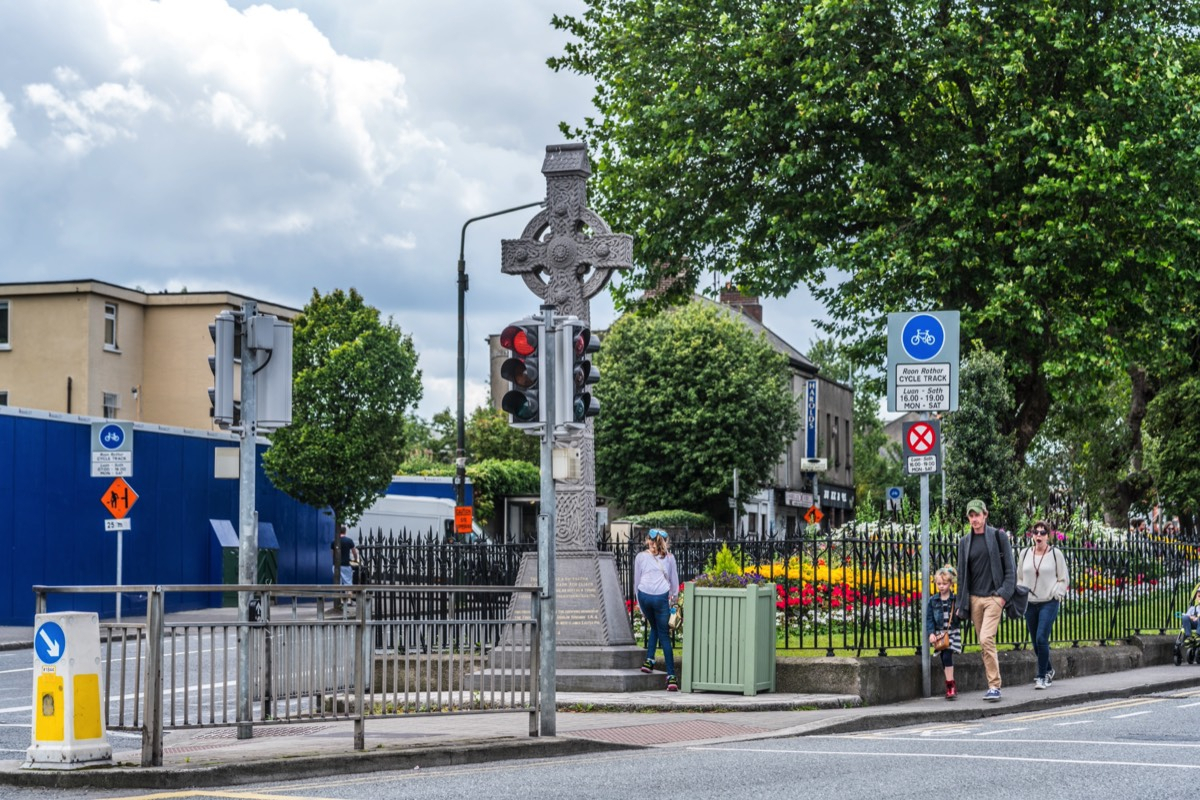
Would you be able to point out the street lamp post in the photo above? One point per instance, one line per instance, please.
(460, 459)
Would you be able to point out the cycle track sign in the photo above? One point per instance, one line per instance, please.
(922, 359)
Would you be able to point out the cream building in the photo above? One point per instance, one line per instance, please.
(92, 348)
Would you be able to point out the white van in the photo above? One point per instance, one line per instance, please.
(412, 518)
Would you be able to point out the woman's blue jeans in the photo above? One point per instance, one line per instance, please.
(656, 608)
(1039, 619)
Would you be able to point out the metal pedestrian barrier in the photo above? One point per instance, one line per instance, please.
(315, 653)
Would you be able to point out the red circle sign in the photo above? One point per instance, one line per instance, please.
(922, 438)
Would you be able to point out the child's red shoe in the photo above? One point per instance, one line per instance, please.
(951, 693)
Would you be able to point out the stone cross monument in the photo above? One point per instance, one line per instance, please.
(566, 255)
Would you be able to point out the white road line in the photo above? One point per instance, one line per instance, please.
(1134, 714)
(1076, 722)
(976, 740)
(959, 756)
(1188, 705)
(1002, 730)
(9, 671)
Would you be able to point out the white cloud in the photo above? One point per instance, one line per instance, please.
(273, 146)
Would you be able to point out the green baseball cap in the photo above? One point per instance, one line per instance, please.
(978, 506)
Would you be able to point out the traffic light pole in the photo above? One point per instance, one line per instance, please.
(460, 456)
(247, 520)
(548, 605)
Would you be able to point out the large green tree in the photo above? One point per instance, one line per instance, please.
(1032, 164)
(978, 454)
(490, 436)
(687, 396)
(355, 379)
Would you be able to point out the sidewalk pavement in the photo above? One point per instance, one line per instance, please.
(585, 723)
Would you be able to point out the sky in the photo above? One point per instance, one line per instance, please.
(270, 149)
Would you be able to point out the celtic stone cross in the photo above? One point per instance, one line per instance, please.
(566, 241)
(566, 255)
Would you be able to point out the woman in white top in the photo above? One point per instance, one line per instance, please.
(656, 585)
(1043, 570)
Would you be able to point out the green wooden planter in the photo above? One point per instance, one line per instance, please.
(729, 639)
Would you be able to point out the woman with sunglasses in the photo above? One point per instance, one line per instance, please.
(656, 584)
(1042, 569)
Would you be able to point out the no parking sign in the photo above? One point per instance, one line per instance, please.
(922, 447)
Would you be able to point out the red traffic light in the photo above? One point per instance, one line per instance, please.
(521, 339)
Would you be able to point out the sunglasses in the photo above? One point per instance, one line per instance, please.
(1039, 532)
(655, 533)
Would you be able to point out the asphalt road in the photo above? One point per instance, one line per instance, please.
(1136, 747)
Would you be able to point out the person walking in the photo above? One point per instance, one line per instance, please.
(1042, 569)
(986, 581)
(656, 584)
(345, 555)
(940, 619)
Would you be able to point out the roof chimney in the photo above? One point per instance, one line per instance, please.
(747, 305)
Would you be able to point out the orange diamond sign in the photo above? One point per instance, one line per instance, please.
(118, 498)
(812, 516)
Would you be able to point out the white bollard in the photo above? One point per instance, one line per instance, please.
(68, 713)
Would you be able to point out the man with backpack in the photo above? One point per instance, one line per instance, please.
(986, 581)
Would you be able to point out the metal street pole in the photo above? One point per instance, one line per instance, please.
(548, 623)
(247, 519)
(460, 457)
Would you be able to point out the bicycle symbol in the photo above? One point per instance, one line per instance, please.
(922, 337)
(111, 436)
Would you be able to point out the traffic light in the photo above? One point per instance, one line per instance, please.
(223, 332)
(525, 400)
(577, 375)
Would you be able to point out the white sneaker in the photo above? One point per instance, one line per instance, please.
(1050, 677)
(1039, 683)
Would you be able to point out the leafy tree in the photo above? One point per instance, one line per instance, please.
(1173, 436)
(490, 436)
(1030, 164)
(491, 480)
(687, 396)
(418, 436)
(355, 378)
(978, 455)
(443, 436)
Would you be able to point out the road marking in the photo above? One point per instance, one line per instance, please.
(231, 795)
(1133, 714)
(976, 740)
(10, 671)
(1002, 730)
(1188, 705)
(1075, 722)
(1087, 709)
(959, 756)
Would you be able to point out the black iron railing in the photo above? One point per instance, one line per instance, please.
(856, 590)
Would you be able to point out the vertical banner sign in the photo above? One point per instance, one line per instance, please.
(810, 419)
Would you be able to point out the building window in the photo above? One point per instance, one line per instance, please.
(110, 326)
(837, 445)
(112, 404)
(3, 398)
(3, 324)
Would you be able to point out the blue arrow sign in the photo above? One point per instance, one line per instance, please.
(50, 642)
(112, 437)
(922, 337)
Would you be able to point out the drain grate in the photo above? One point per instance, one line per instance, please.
(264, 731)
(665, 733)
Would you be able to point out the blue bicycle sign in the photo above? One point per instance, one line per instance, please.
(112, 437)
(922, 337)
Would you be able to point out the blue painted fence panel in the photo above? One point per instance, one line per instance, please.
(53, 517)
